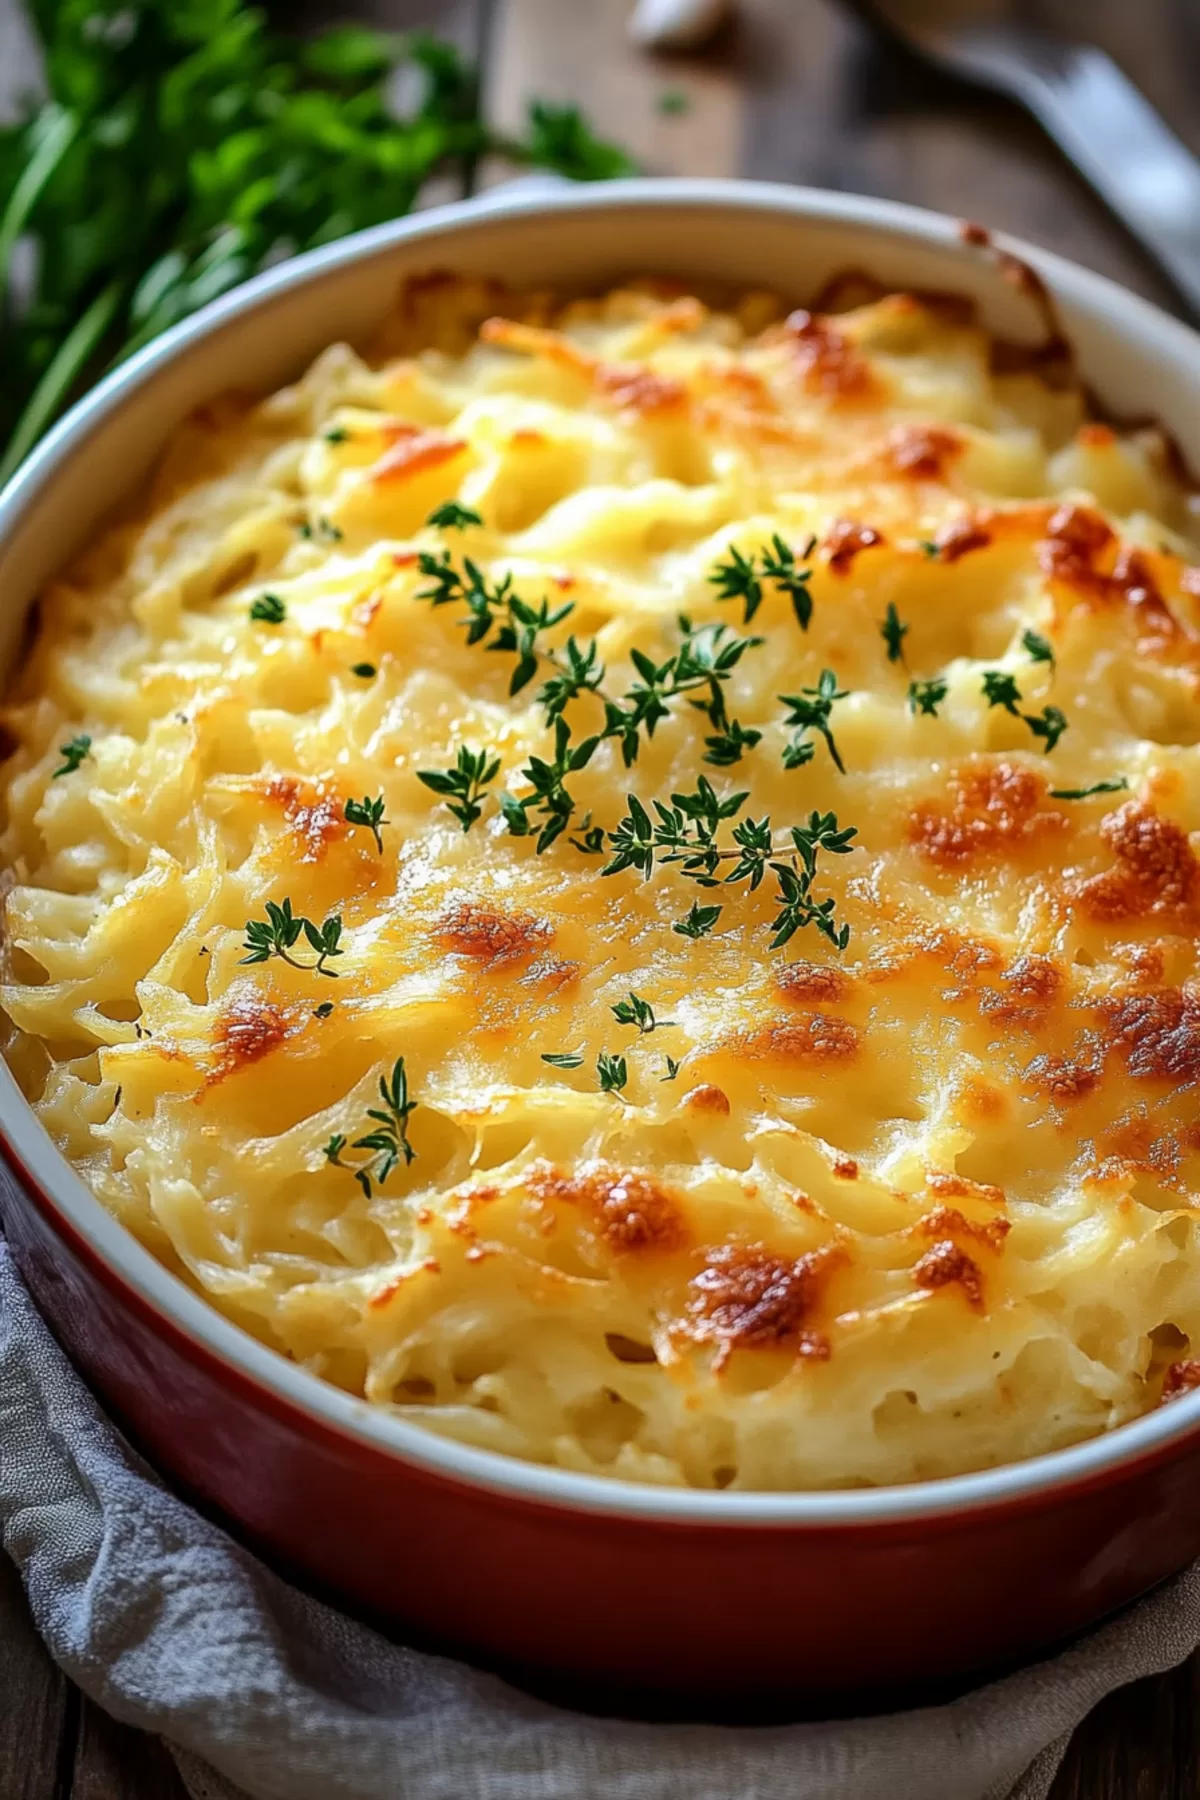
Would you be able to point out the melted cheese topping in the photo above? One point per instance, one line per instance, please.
(917, 1207)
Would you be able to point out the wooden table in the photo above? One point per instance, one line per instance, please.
(796, 92)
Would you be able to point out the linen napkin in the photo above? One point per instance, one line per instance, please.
(260, 1691)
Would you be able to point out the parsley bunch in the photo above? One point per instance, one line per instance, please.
(184, 146)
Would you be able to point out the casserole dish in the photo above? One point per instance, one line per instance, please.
(689, 1591)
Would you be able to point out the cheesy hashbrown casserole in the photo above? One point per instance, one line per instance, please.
(621, 881)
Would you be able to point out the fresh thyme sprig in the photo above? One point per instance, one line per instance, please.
(672, 1069)
(72, 752)
(464, 783)
(927, 696)
(368, 812)
(280, 931)
(639, 1012)
(268, 609)
(550, 797)
(388, 1143)
(738, 579)
(741, 578)
(811, 709)
(685, 833)
(893, 632)
(612, 1072)
(563, 1059)
(797, 905)
(705, 659)
(577, 671)
(497, 617)
(1085, 793)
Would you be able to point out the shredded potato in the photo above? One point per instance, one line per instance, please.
(922, 1205)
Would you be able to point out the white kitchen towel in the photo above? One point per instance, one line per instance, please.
(170, 1625)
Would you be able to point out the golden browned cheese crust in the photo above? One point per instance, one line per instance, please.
(827, 1216)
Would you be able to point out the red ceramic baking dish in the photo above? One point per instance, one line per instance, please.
(704, 1592)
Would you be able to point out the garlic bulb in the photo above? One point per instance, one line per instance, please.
(676, 24)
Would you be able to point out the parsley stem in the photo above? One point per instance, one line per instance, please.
(56, 139)
(51, 391)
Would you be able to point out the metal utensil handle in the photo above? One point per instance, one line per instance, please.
(1115, 137)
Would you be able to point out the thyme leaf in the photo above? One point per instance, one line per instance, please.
(72, 753)
(368, 812)
(639, 1012)
(927, 696)
(810, 711)
(612, 1072)
(893, 633)
(280, 932)
(699, 921)
(1085, 793)
(268, 609)
(387, 1140)
(450, 516)
(463, 784)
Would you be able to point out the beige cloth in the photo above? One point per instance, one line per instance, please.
(168, 1624)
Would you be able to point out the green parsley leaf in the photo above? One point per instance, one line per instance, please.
(563, 1059)
(337, 434)
(363, 670)
(183, 147)
(672, 1069)
(323, 1011)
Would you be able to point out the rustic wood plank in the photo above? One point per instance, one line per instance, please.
(834, 108)
(580, 53)
(113, 1762)
(1140, 1744)
(37, 1704)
